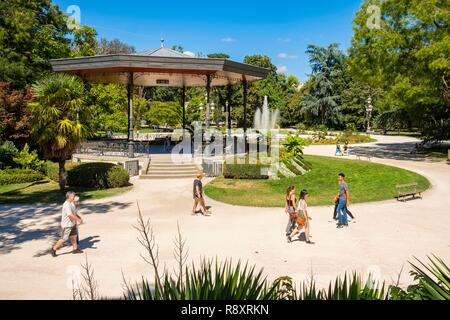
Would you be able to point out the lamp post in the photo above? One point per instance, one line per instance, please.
(213, 107)
(369, 109)
(227, 105)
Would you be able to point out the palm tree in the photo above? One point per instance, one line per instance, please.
(58, 118)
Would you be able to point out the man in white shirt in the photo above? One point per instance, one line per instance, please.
(69, 220)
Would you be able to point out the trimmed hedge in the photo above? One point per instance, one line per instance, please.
(12, 176)
(244, 171)
(98, 175)
(51, 169)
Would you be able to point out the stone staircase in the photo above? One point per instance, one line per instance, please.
(162, 167)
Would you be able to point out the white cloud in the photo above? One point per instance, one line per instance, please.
(189, 53)
(286, 56)
(228, 39)
(281, 68)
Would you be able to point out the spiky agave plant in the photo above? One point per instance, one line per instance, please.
(213, 280)
(433, 282)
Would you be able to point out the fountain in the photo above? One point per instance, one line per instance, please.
(266, 119)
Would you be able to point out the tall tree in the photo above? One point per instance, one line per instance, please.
(84, 42)
(59, 118)
(320, 102)
(114, 46)
(31, 33)
(406, 55)
(13, 115)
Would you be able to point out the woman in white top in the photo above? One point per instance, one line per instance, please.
(302, 218)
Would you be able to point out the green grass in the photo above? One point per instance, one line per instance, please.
(47, 191)
(367, 182)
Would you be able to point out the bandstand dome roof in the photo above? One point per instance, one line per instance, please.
(159, 67)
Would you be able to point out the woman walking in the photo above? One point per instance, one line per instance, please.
(302, 218)
(291, 209)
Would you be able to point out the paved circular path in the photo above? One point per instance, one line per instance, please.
(385, 236)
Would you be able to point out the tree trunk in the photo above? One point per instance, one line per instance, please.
(62, 175)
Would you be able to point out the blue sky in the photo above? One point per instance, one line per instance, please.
(279, 29)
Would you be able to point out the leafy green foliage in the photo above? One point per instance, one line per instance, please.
(294, 144)
(28, 160)
(245, 171)
(109, 105)
(393, 120)
(51, 169)
(12, 176)
(406, 58)
(84, 42)
(59, 119)
(432, 282)
(167, 114)
(7, 153)
(320, 101)
(31, 33)
(98, 175)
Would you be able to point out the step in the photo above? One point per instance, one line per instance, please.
(174, 163)
(166, 176)
(171, 166)
(173, 171)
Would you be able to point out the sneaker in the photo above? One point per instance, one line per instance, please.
(53, 253)
(339, 226)
(77, 251)
(309, 242)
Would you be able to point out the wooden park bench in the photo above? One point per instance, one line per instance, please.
(408, 190)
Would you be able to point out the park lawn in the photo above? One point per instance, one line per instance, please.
(367, 182)
(47, 191)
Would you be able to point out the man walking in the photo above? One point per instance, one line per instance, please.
(69, 220)
(198, 195)
(344, 201)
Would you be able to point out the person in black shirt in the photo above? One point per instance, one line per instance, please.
(197, 193)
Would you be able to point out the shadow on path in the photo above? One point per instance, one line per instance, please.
(22, 223)
(396, 151)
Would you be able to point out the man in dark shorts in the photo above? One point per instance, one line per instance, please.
(197, 193)
(69, 220)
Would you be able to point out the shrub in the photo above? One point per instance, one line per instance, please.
(98, 175)
(245, 171)
(294, 145)
(28, 160)
(301, 127)
(350, 128)
(7, 152)
(51, 169)
(12, 176)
